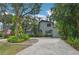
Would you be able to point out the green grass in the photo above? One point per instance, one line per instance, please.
(10, 49)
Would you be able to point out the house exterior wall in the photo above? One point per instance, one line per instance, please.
(44, 28)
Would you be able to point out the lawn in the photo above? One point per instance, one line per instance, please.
(13, 48)
(10, 49)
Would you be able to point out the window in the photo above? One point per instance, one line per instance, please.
(49, 25)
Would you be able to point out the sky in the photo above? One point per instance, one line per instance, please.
(45, 9)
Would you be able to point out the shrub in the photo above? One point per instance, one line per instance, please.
(73, 41)
(70, 40)
(21, 38)
(30, 35)
(1, 33)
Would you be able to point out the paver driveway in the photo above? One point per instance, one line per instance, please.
(49, 46)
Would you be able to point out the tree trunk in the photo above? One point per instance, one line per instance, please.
(18, 28)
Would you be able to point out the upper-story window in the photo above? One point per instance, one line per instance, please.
(49, 25)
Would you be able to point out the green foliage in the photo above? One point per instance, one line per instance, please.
(24, 9)
(1, 33)
(73, 41)
(67, 19)
(70, 40)
(20, 10)
(21, 38)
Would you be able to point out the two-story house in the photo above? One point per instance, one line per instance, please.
(48, 28)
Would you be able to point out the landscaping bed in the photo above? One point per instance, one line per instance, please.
(7, 48)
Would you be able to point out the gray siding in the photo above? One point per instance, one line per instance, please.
(44, 28)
